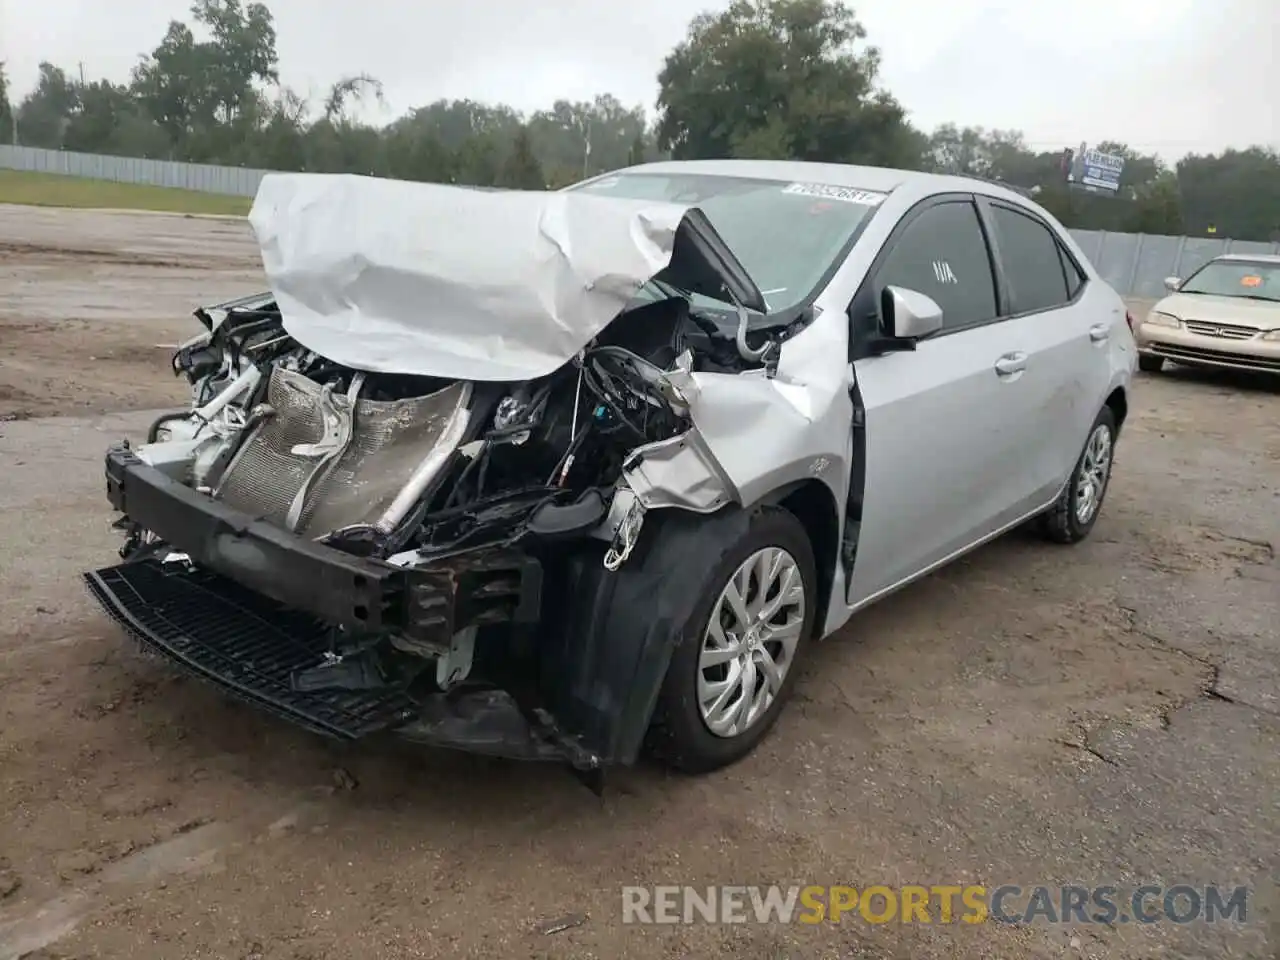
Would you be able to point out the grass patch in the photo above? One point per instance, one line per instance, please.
(53, 190)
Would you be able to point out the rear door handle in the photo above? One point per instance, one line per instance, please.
(1011, 363)
(1099, 332)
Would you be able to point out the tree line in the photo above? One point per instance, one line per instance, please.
(761, 79)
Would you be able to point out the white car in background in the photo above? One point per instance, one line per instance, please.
(1225, 315)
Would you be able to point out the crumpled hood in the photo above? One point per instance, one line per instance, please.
(1210, 309)
(398, 277)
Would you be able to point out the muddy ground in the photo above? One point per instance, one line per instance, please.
(1103, 714)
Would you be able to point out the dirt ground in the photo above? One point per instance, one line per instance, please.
(89, 302)
(1103, 714)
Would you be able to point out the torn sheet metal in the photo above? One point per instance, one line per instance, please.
(755, 433)
(435, 280)
(678, 472)
(217, 313)
(751, 434)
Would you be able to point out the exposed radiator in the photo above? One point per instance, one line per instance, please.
(389, 440)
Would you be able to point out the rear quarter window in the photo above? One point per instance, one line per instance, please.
(1075, 276)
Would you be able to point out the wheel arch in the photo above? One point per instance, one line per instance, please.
(1118, 401)
(607, 641)
(812, 503)
(609, 636)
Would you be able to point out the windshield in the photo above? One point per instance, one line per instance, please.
(786, 235)
(1253, 279)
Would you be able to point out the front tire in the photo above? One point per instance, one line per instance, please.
(1076, 510)
(1150, 364)
(734, 664)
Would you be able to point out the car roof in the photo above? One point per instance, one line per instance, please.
(1250, 258)
(877, 179)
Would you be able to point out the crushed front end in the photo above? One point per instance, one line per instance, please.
(362, 552)
(356, 552)
(379, 517)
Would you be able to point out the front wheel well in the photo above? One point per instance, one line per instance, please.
(810, 502)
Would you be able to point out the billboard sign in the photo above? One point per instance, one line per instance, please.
(1098, 170)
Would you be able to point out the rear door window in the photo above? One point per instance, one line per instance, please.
(1032, 261)
(943, 254)
(1075, 276)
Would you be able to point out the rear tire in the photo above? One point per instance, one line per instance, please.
(1150, 364)
(1076, 510)
(722, 693)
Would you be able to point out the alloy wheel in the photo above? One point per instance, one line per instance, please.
(750, 641)
(1095, 468)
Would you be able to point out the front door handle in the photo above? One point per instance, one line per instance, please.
(1099, 332)
(1011, 363)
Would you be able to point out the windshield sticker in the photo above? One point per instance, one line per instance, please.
(829, 191)
(1251, 281)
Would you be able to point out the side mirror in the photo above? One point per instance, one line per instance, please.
(1172, 284)
(908, 314)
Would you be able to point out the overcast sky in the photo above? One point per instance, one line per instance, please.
(1167, 76)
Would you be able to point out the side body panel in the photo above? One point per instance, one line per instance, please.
(958, 451)
(945, 437)
(1069, 370)
(1121, 349)
(1070, 374)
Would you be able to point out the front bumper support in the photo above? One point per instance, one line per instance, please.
(252, 647)
(256, 606)
(430, 603)
(242, 642)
